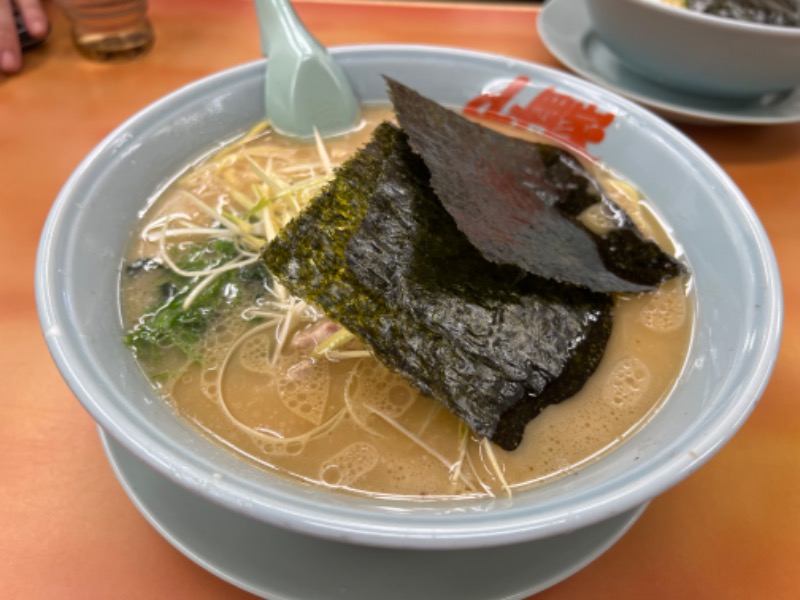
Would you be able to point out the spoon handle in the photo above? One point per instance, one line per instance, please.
(278, 24)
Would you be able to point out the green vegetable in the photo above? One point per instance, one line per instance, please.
(170, 324)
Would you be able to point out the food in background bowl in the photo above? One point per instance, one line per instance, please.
(697, 52)
(785, 13)
(734, 281)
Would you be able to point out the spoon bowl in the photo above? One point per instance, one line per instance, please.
(305, 89)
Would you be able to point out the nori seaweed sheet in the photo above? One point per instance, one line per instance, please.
(518, 202)
(378, 253)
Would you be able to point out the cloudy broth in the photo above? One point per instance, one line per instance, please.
(257, 383)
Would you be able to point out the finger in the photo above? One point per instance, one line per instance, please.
(34, 17)
(10, 54)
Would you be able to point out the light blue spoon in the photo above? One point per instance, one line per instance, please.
(305, 88)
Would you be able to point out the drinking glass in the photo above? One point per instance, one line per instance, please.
(109, 30)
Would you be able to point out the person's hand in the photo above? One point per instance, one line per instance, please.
(35, 21)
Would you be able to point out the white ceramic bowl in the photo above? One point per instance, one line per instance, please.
(697, 52)
(738, 323)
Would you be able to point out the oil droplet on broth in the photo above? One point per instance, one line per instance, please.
(282, 447)
(304, 389)
(346, 466)
(372, 387)
(254, 352)
(627, 383)
(665, 309)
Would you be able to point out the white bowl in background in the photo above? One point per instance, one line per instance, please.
(697, 52)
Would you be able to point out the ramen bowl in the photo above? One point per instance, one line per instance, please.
(697, 52)
(735, 279)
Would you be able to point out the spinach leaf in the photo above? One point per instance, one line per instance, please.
(167, 323)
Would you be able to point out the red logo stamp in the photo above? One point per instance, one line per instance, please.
(573, 122)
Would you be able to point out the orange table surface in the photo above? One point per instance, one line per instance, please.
(730, 530)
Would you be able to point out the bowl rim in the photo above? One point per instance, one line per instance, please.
(736, 25)
(417, 529)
